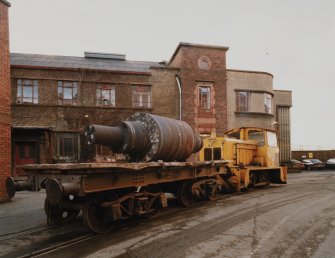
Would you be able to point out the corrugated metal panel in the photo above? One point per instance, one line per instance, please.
(284, 133)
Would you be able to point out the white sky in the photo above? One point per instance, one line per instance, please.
(299, 37)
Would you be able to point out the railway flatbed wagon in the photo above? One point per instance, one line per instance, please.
(156, 149)
(110, 192)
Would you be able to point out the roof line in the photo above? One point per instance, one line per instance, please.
(185, 44)
(6, 3)
(248, 71)
(83, 57)
(76, 69)
(282, 90)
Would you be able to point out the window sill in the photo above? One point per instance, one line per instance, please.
(238, 113)
(25, 103)
(80, 106)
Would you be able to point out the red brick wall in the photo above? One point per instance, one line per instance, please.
(186, 58)
(322, 155)
(5, 129)
(47, 113)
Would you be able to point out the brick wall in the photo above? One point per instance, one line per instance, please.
(322, 155)
(165, 93)
(48, 113)
(186, 58)
(5, 120)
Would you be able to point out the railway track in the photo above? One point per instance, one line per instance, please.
(58, 246)
(26, 232)
(42, 240)
(73, 235)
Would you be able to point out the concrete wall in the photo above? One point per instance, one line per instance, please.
(256, 83)
(282, 98)
(5, 111)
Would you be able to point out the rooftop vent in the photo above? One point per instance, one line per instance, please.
(163, 62)
(104, 56)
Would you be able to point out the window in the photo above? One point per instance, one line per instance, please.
(67, 149)
(257, 136)
(27, 91)
(217, 153)
(26, 150)
(272, 139)
(242, 101)
(67, 92)
(204, 97)
(268, 103)
(208, 154)
(234, 135)
(106, 96)
(141, 96)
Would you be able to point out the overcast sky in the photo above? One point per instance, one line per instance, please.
(292, 39)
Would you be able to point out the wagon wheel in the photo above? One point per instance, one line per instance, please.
(213, 194)
(56, 215)
(96, 217)
(156, 205)
(184, 194)
(251, 184)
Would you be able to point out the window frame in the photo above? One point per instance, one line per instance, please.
(245, 107)
(99, 96)
(20, 94)
(205, 103)
(62, 88)
(141, 102)
(268, 103)
(60, 138)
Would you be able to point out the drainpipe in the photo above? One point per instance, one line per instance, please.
(179, 88)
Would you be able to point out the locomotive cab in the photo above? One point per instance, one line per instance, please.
(253, 155)
(267, 154)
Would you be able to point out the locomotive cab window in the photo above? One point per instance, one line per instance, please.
(208, 154)
(257, 136)
(272, 139)
(234, 135)
(217, 153)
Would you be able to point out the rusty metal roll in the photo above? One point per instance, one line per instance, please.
(147, 137)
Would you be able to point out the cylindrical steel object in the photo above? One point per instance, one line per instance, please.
(147, 137)
(56, 191)
(13, 186)
(106, 135)
(170, 139)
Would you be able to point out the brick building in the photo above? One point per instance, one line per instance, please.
(5, 110)
(54, 97)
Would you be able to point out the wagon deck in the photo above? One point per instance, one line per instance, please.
(121, 190)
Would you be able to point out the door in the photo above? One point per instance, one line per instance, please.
(25, 153)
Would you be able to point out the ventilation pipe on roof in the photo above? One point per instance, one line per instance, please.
(179, 88)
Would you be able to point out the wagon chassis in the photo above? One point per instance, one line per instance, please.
(110, 192)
